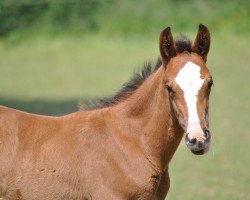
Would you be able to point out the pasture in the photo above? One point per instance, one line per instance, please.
(50, 75)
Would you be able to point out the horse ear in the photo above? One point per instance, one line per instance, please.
(167, 45)
(202, 42)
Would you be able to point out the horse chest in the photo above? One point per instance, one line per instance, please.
(129, 186)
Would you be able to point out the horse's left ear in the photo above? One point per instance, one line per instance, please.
(202, 42)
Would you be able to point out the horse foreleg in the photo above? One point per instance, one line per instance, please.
(163, 187)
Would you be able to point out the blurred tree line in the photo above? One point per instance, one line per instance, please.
(121, 16)
(56, 15)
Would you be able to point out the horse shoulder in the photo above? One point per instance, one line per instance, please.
(116, 149)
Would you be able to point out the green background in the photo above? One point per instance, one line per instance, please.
(53, 54)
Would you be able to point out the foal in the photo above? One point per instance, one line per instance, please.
(119, 147)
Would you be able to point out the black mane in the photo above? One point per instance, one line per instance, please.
(182, 45)
(126, 90)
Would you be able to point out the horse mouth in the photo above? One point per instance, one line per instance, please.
(199, 152)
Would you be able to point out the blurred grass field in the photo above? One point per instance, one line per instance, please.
(49, 73)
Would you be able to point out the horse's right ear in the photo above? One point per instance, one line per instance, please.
(167, 45)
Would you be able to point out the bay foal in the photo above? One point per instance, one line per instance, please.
(118, 147)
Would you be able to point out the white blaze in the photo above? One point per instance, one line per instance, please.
(190, 82)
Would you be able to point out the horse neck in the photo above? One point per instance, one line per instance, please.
(148, 110)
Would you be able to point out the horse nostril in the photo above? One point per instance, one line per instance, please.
(200, 144)
(192, 141)
(206, 133)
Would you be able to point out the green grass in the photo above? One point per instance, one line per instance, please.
(70, 68)
(49, 76)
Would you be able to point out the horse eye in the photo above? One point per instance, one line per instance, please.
(210, 84)
(169, 89)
